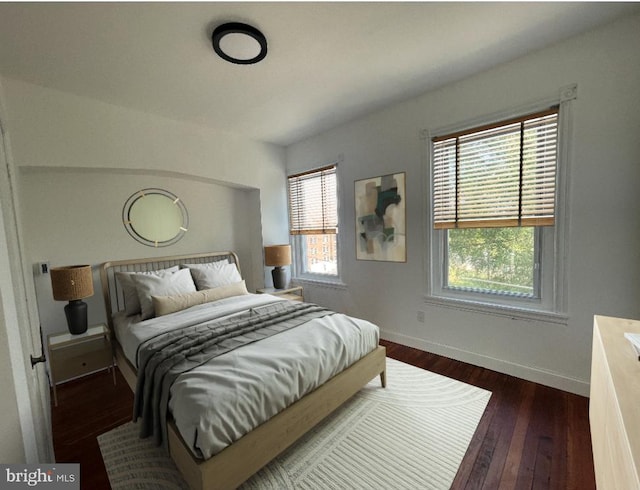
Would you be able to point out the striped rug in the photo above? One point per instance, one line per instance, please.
(413, 434)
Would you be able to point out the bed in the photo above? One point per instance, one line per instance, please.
(342, 353)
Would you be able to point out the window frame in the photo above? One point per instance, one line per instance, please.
(543, 304)
(551, 307)
(299, 274)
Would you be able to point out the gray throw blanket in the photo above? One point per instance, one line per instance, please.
(166, 356)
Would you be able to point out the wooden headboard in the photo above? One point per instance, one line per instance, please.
(112, 292)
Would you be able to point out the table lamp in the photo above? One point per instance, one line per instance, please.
(278, 256)
(72, 283)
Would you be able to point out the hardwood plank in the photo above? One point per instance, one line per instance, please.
(580, 467)
(512, 464)
(542, 466)
(88, 407)
(510, 418)
(529, 436)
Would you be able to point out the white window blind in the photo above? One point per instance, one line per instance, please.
(497, 175)
(313, 207)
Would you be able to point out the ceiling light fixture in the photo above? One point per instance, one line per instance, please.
(239, 43)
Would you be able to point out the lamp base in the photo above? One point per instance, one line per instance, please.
(76, 313)
(279, 276)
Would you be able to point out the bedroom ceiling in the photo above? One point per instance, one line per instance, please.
(327, 63)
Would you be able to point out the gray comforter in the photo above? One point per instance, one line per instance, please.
(162, 358)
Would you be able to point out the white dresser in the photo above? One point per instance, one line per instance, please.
(614, 406)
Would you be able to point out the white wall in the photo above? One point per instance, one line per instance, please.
(79, 160)
(604, 231)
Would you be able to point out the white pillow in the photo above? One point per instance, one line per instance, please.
(210, 265)
(210, 277)
(163, 305)
(177, 283)
(129, 291)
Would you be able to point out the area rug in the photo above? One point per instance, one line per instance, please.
(412, 434)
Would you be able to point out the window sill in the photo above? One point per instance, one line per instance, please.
(327, 283)
(498, 310)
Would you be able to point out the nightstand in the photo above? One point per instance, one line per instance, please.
(71, 356)
(293, 293)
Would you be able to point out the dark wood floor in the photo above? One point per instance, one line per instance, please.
(530, 436)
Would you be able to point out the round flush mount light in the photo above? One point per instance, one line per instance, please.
(239, 43)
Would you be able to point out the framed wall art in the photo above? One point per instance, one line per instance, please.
(381, 218)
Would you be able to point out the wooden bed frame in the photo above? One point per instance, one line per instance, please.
(235, 464)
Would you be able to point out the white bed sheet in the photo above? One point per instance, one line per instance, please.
(217, 403)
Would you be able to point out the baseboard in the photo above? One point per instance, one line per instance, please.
(537, 375)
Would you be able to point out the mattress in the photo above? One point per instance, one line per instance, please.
(215, 404)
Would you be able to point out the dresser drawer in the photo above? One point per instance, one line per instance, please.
(82, 358)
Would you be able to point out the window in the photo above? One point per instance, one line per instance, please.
(313, 222)
(494, 197)
(494, 260)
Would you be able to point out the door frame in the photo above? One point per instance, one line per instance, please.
(21, 321)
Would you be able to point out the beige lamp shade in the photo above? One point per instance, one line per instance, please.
(71, 282)
(277, 255)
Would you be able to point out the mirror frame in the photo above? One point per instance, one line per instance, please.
(149, 241)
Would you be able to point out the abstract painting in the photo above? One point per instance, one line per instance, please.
(380, 218)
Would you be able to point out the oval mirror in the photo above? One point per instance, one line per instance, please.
(155, 217)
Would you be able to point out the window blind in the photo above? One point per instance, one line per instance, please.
(497, 175)
(313, 206)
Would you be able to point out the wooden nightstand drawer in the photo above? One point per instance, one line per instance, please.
(293, 293)
(78, 359)
(291, 296)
